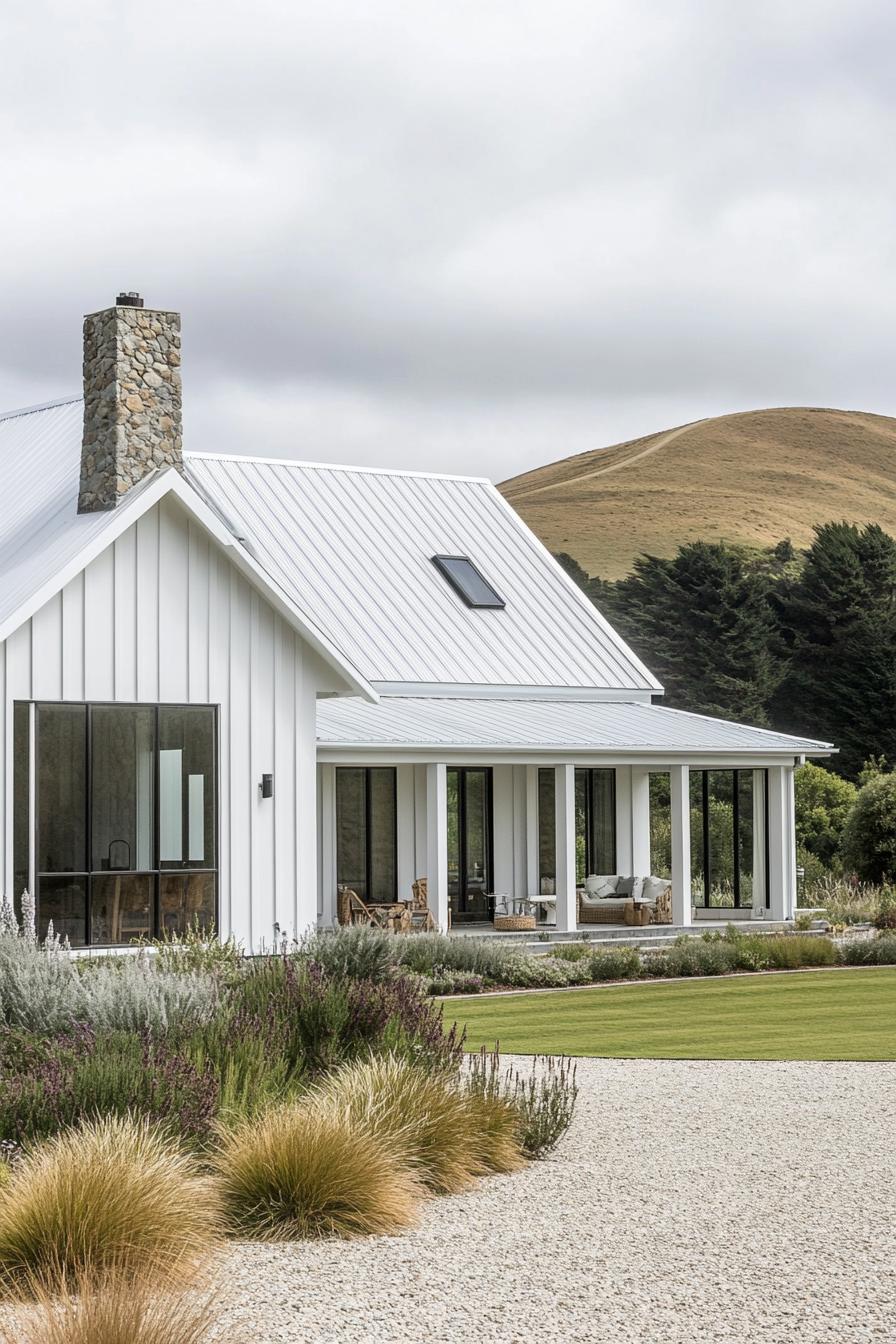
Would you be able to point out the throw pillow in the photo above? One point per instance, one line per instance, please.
(654, 888)
(601, 886)
(625, 886)
(638, 889)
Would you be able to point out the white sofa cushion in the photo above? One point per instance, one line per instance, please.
(598, 887)
(654, 887)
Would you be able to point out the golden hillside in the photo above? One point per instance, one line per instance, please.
(754, 478)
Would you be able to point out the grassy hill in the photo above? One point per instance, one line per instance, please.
(751, 478)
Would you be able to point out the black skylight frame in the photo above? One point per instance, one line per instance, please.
(470, 584)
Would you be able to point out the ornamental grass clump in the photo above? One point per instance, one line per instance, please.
(789, 951)
(114, 1194)
(304, 1171)
(422, 1115)
(113, 1308)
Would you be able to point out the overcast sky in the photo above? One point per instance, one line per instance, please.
(456, 234)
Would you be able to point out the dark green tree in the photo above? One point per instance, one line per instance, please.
(823, 802)
(838, 628)
(703, 623)
(869, 840)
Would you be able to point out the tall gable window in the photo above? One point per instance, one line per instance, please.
(467, 581)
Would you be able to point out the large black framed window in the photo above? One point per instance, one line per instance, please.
(366, 837)
(729, 835)
(122, 816)
(595, 823)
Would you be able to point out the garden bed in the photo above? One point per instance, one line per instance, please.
(155, 1107)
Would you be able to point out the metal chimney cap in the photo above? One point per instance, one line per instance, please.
(129, 300)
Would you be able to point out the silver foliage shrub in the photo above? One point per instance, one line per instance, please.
(42, 988)
(132, 993)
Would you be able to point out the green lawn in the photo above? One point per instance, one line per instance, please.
(807, 1015)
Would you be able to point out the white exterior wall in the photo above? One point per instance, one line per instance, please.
(162, 616)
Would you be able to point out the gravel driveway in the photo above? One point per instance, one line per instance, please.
(690, 1201)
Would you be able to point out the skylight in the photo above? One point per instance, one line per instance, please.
(467, 581)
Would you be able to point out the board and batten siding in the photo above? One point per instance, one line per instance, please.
(162, 616)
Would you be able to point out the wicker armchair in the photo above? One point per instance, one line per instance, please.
(421, 915)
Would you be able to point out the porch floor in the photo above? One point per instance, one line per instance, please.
(540, 938)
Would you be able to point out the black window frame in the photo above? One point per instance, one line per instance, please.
(460, 903)
(442, 563)
(368, 828)
(706, 847)
(589, 771)
(158, 871)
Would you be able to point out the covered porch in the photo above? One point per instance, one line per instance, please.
(517, 823)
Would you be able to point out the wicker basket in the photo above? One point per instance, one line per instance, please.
(514, 923)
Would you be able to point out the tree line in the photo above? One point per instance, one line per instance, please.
(800, 641)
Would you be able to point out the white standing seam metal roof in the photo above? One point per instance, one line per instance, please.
(354, 547)
(402, 723)
(351, 549)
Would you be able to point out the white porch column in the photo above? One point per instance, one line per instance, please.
(640, 822)
(520, 856)
(679, 780)
(759, 876)
(502, 829)
(326, 902)
(565, 813)
(437, 843)
(781, 843)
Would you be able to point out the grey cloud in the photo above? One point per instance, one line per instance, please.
(471, 235)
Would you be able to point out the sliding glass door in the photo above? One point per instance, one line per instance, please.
(470, 845)
(123, 815)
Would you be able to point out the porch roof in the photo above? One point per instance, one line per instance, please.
(403, 724)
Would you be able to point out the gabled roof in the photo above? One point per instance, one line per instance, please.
(348, 550)
(593, 727)
(44, 541)
(354, 548)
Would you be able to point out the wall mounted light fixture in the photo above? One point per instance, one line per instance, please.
(267, 786)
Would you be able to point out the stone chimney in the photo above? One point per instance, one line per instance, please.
(132, 400)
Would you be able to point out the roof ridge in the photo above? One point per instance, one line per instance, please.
(257, 459)
(42, 406)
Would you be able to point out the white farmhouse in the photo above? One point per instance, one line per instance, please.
(233, 687)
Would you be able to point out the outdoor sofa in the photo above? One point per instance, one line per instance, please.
(604, 899)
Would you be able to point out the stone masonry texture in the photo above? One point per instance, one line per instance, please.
(132, 402)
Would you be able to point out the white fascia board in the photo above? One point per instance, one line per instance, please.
(581, 597)
(659, 759)
(119, 519)
(445, 690)
(129, 511)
